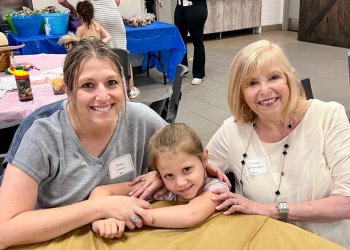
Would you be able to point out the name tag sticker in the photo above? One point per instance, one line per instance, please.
(256, 166)
(121, 166)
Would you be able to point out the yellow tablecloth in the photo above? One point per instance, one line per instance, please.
(219, 232)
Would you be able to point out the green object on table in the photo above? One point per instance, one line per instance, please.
(10, 22)
(19, 67)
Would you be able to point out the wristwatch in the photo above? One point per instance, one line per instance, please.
(283, 209)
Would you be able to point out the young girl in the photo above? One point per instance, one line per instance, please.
(176, 152)
(89, 27)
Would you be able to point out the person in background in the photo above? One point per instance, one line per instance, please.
(290, 156)
(151, 6)
(176, 153)
(89, 27)
(108, 15)
(61, 158)
(67, 5)
(190, 17)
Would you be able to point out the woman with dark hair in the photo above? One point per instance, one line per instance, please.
(90, 27)
(190, 17)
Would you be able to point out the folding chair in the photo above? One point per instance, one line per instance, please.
(44, 111)
(175, 98)
(125, 61)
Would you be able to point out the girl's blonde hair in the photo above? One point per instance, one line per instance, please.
(174, 137)
(253, 59)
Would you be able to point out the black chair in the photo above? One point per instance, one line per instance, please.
(16, 138)
(175, 98)
(163, 99)
(6, 135)
(306, 84)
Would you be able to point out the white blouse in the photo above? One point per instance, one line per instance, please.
(317, 164)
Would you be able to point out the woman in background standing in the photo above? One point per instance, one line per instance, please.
(108, 15)
(190, 16)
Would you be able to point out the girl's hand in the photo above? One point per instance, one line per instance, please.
(216, 172)
(160, 3)
(147, 186)
(109, 228)
(238, 203)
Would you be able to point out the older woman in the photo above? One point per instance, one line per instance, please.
(290, 156)
(98, 138)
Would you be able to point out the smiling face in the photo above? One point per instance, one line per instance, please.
(99, 94)
(183, 174)
(267, 93)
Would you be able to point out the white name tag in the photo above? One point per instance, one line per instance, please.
(121, 166)
(256, 166)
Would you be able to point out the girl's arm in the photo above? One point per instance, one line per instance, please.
(105, 36)
(183, 216)
(79, 31)
(67, 5)
(21, 224)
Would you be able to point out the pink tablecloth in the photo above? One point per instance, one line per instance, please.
(12, 111)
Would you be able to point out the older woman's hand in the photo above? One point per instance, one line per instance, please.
(238, 203)
(216, 172)
(148, 186)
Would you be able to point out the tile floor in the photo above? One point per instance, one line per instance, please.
(204, 107)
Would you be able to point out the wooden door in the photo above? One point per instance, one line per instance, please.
(325, 21)
(241, 14)
(215, 18)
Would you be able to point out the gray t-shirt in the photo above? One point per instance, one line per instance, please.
(51, 153)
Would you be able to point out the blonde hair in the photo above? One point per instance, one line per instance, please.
(174, 137)
(251, 59)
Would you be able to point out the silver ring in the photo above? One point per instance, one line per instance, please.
(235, 201)
(135, 218)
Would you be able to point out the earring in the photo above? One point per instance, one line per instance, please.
(243, 107)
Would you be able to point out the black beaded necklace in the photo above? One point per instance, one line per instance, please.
(284, 153)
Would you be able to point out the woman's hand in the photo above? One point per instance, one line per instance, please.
(126, 209)
(148, 186)
(238, 203)
(109, 228)
(216, 172)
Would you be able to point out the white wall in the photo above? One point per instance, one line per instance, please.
(294, 6)
(39, 4)
(132, 7)
(126, 6)
(271, 12)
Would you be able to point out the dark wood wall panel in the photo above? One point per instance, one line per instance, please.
(325, 21)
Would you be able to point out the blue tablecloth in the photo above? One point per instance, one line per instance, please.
(37, 44)
(158, 36)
